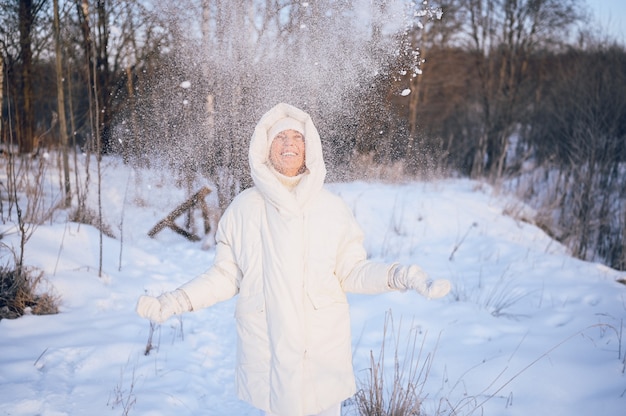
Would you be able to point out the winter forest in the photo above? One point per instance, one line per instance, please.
(521, 97)
(527, 95)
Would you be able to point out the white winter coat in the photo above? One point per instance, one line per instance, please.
(290, 256)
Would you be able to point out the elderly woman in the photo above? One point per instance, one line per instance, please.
(291, 250)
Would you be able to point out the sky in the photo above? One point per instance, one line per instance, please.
(612, 15)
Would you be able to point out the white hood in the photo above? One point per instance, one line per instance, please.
(266, 181)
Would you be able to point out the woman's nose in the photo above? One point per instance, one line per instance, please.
(289, 141)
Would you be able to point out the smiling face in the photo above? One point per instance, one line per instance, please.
(287, 152)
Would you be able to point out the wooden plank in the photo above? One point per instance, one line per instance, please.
(168, 221)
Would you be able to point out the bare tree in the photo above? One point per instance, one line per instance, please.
(26, 21)
(579, 128)
(61, 105)
(504, 34)
(19, 20)
(2, 139)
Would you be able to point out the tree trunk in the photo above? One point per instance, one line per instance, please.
(82, 9)
(102, 76)
(61, 106)
(26, 138)
(2, 140)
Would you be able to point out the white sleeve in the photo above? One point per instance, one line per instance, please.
(221, 281)
(356, 273)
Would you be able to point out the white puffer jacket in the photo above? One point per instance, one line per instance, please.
(290, 256)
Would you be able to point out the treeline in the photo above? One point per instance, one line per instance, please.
(520, 93)
(564, 150)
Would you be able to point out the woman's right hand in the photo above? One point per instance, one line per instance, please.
(162, 308)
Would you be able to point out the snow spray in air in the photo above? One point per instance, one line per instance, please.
(226, 64)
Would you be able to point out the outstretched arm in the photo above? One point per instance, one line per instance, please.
(219, 283)
(359, 275)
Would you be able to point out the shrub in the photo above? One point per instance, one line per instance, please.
(398, 394)
(88, 217)
(19, 295)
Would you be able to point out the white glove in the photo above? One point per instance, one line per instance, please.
(160, 309)
(412, 277)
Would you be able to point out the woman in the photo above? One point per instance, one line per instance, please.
(291, 250)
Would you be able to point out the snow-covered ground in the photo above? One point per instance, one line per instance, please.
(527, 330)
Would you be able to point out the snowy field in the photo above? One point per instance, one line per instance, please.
(527, 330)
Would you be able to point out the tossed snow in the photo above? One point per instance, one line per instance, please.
(527, 330)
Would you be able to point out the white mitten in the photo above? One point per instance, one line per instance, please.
(160, 309)
(412, 277)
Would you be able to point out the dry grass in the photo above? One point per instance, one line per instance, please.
(401, 392)
(19, 294)
(88, 217)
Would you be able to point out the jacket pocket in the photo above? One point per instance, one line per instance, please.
(252, 334)
(324, 297)
(250, 304)
(328, 326)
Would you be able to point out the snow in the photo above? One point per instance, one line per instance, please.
(527, 329)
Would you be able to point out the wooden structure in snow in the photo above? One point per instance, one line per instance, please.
(196, 200)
